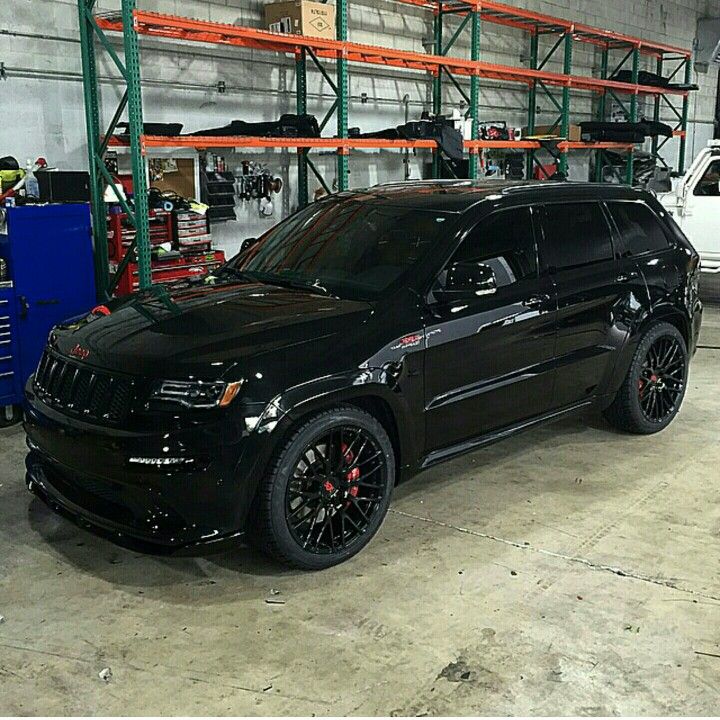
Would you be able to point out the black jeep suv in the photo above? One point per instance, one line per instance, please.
(368, 336)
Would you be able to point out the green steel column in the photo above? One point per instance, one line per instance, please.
(92, 123)
(629, 169)
(475, 91)
(437, 81)
(602, 108)
(656, 108)
(301, 101)
(532, 101)
(135, 118)
(343, 92)
(565, 122)
(685, 115)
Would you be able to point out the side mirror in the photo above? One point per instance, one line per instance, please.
(468, 280)
(248, 243)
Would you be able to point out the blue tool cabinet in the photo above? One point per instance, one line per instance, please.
(49, 253)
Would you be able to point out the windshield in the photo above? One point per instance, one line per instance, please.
(350, 248)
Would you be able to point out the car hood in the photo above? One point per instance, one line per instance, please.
(205, 329)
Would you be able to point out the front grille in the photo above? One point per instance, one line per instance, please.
(83, 391)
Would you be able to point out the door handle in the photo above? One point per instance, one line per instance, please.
(536, 301)
(626, 277)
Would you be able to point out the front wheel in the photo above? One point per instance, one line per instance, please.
(328, 490)
(654, 388)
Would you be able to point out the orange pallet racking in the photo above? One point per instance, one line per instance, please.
(132, 22)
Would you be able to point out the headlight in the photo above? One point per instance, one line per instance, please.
(196, 393)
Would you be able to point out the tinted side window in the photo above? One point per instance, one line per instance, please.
(576, 234)
(640, 229)
(505, 242)
(709, 184)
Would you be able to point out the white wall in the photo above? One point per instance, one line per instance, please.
(41, 96)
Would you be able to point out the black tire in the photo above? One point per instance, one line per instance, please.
(10, 415)
(296, 496)
(651, 394)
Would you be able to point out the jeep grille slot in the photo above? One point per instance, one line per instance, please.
(82, 391)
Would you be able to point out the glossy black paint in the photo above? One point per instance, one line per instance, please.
(444, 377)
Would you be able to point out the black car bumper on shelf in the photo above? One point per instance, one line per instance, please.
(97, 475)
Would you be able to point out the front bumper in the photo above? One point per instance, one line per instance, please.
(86, 472)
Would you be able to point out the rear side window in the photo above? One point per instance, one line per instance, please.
(576, 234)
(640, 229)
(709, 183)
(505, 242)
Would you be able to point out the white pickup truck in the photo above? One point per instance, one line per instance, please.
(695, 204)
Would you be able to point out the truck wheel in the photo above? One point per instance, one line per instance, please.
(653, 390)
(327, 491)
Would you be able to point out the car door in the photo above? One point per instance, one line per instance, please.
(644, 242)
(576, 251)
(488, 358)
(700, 220)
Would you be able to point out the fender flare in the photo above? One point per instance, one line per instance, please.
(373, 384)
(663, 311)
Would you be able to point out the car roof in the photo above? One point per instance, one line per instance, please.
(457, 196)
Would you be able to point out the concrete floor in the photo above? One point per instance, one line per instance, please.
(571, 570)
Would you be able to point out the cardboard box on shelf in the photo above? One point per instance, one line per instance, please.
(574, 134)
(301, 17)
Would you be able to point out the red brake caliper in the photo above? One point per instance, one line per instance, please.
(353, 475)
(641, 383)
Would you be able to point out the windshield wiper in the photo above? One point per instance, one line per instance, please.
(313, 287)
(278, 280)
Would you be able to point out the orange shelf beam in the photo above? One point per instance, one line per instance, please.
(530, 21)
(202, 142)
(186, 29)
(206, 141)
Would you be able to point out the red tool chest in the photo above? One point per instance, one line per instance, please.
(186, 235)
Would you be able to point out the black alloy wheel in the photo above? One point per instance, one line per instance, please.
(662, 379)
(654, 388)
(328, 491)
(336, 489)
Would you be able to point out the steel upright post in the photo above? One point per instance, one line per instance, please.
(92, 123)
(532, 101)
(602, 108)
(629, 169)
(656, 106)
(343, 92)
(301, 103)
(437, 80)
(135, 119)
(475, 92)
(685, 115)
(565, 122)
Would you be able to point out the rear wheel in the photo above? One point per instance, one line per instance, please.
(654, 388)
(328, 490)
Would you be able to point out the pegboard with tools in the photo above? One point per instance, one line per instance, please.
(255, 182)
